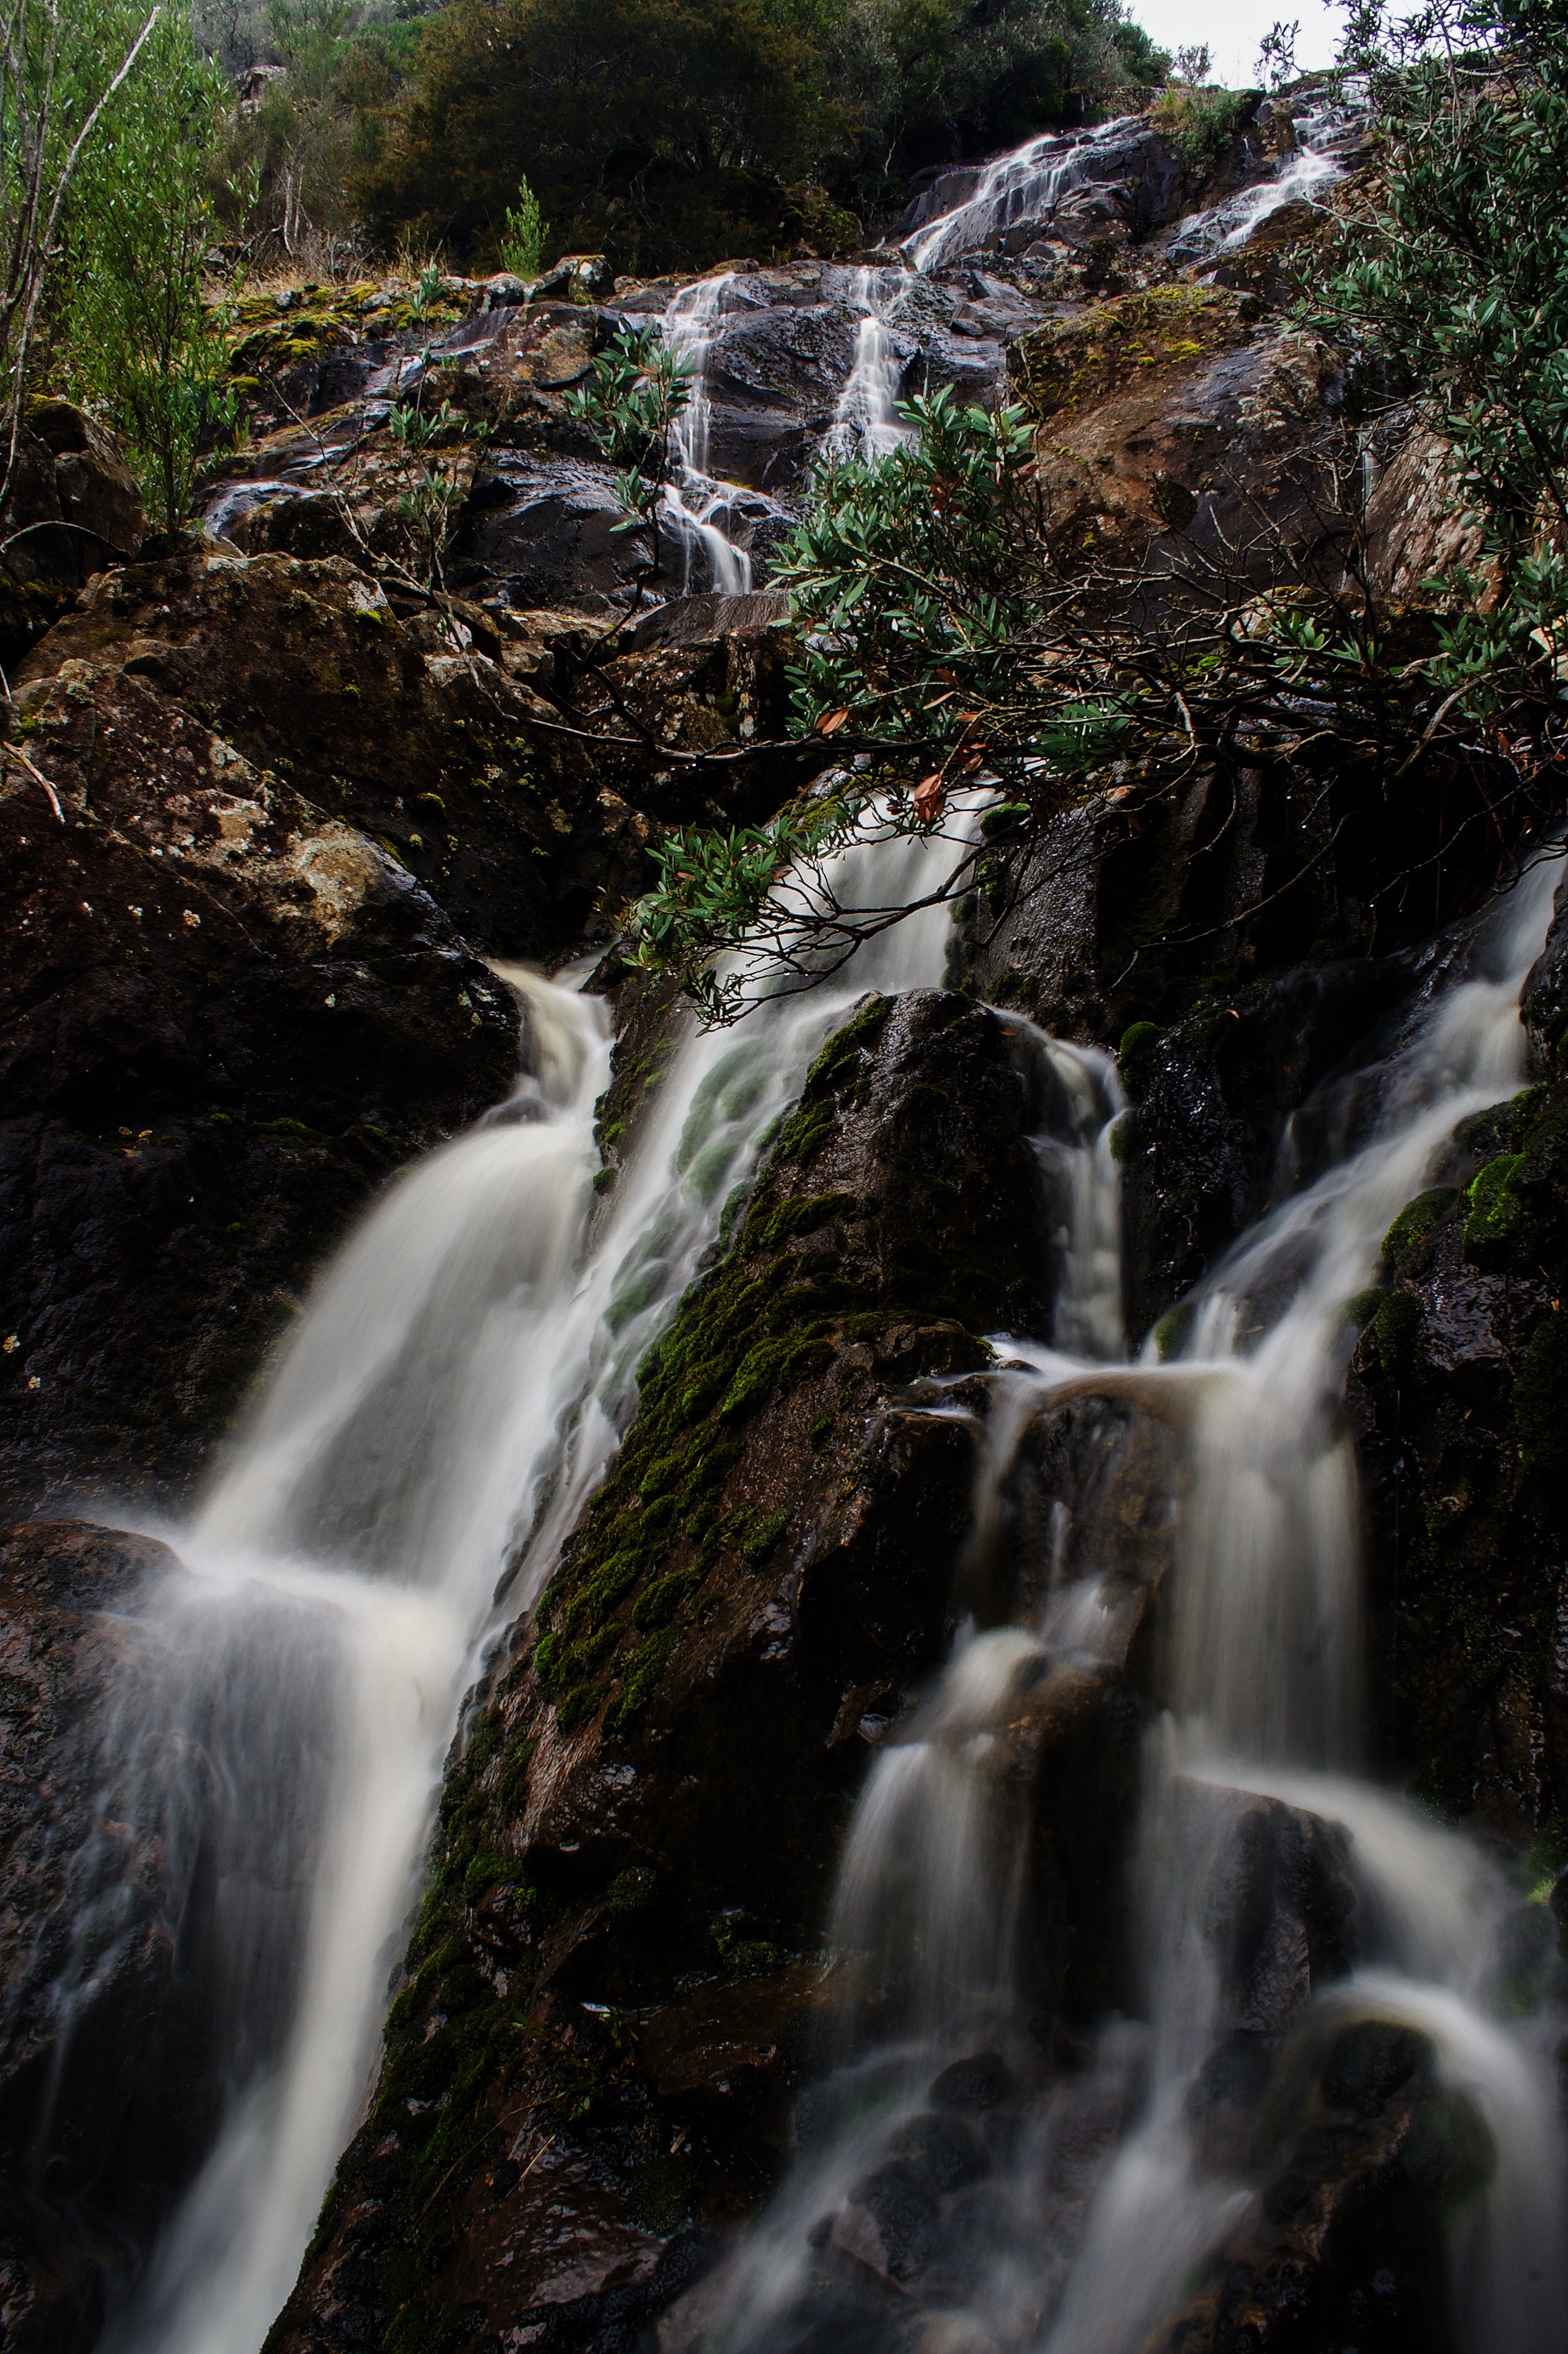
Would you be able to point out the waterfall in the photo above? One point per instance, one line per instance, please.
(1030, 182)
(867, 423)
(1022, 185)
(1011, 2205)
(695, 501)
(1304, 174)
(451, 1398)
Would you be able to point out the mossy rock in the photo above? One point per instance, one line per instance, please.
(1069, 364)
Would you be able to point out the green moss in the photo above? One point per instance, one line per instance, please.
(658, 1603)
(1170, 1334)
(1070, 362)
(766, 1318)
(1417, 1219)
(489, 1867)
(1396, 1323)
(290, 1128)
(773, 1368)
(631, 1889)
(1137, 1042)
(1496, 1218)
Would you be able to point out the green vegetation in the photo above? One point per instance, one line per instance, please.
(142, 346)
(670, 133)
(524, 234)
(1200, 125)
(639, 390)
(62, 73)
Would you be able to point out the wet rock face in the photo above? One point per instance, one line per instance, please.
(1457, 1391)
(537, 521)
(600, 1850)
(1363, 2163)
(227, 1017)
(406, 722)
(67, 2117)
(1212, 1097)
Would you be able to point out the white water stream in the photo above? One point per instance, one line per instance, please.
(452, 1395)
(1024, 185)
(1094, 2203)
(695, 503)
(867, 423)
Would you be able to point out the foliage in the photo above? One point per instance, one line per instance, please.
(431, 491)
(671, 132)
(59, 73)
(638, 391)
(1200, 125)
(1456, 280)
(141, 345)
(948, 646)
(1276, 53)
(522, 237)
(290, 150)
(947, 640)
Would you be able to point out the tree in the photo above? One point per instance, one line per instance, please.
(645, 105)
(142, 343)
(523, 237)
(946, 642)
(59, 70)
(1276, 53)
(1455, 281)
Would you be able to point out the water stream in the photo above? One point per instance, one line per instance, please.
(695, 504)
(454, 1394)
(1011, 2204)
(867, 423)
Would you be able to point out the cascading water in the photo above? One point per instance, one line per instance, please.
(695, 504)
(450, 1399)
(1024, 185)
(867, 423)
(1008, 2204)
(1028, 183)
(1304, 174)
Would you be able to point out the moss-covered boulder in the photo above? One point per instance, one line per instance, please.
(1460, 1391)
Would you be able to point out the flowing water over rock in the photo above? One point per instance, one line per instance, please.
(693, 500)
(452, 1397)
(1310, 1954)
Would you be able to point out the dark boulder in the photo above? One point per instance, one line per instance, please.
(227, 1017)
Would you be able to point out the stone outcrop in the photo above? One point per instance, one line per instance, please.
(73, 509)
(227, 1016)
(1457, 1390)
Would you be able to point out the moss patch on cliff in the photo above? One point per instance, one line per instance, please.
(1070, 363)
(1460, 1380)
(771, 1316)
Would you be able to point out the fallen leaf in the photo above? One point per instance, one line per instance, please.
(834, 719)
(929, 795)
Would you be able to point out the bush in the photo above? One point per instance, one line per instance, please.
(141, 344)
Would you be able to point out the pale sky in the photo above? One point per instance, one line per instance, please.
(1232, 29)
